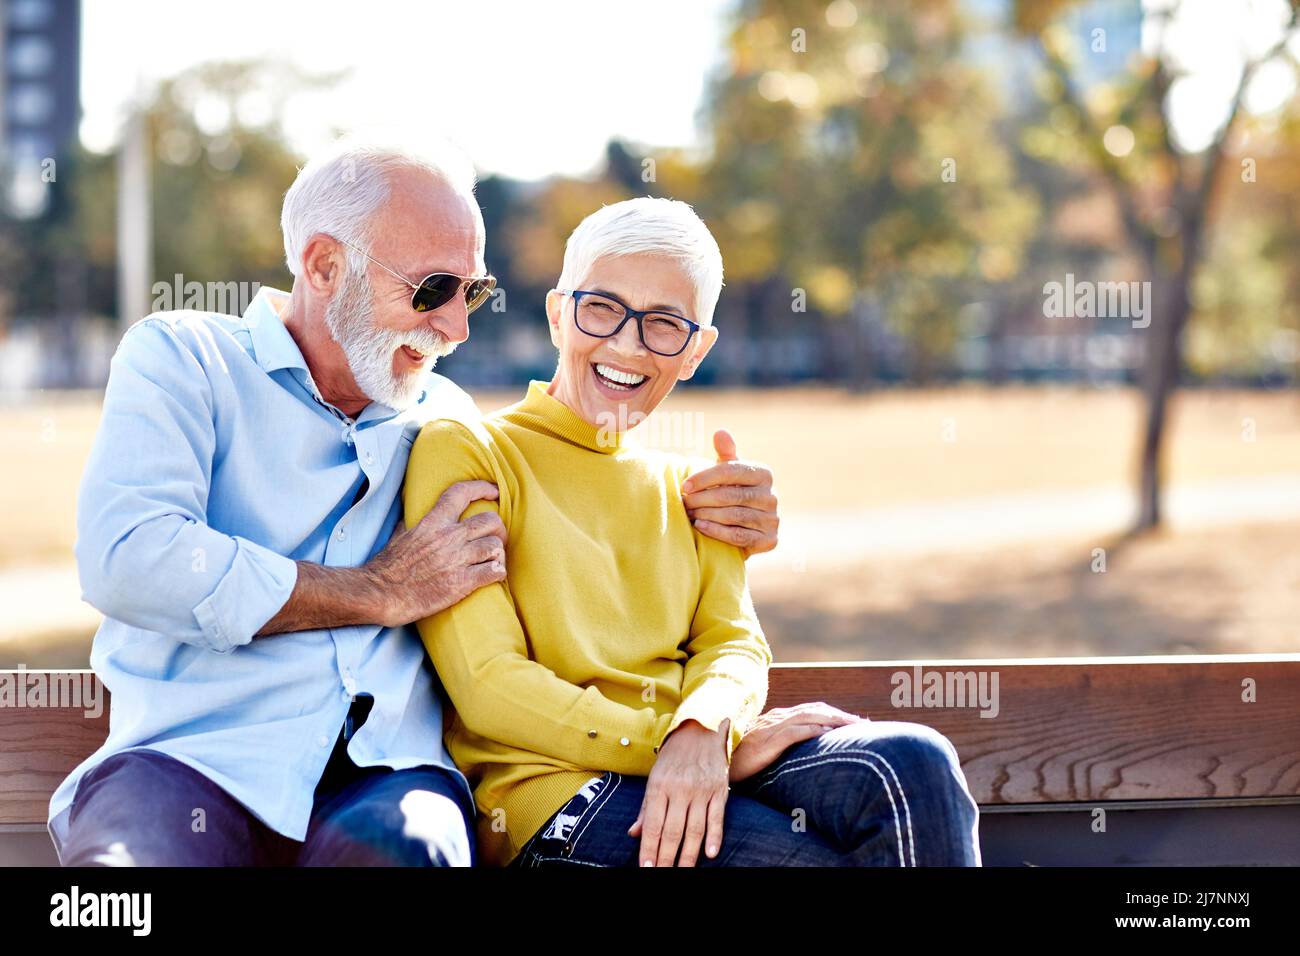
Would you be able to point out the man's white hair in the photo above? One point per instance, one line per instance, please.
(664, 227)
(339, 192)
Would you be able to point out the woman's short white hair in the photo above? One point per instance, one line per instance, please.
(339, 192)
(664, 227)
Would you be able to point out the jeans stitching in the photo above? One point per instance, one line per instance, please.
(539, 860)
(847, 757)
(907, 810)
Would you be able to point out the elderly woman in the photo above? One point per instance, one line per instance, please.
(608, 692)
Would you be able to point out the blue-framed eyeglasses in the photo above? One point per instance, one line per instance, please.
(603, 316)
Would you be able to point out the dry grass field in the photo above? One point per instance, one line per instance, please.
(1221, 588)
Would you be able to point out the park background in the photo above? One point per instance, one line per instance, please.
(894, 186)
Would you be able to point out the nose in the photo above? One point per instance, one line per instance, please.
(451, 321)
(628, 340)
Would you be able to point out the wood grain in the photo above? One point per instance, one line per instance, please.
(39, 746)
(1077, 731)
(1090, 731)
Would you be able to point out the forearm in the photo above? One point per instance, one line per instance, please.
(500, 693)
(520, 703)
(724, 688)
(726, 673)
(330, 597)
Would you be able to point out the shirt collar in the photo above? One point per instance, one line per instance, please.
(273, 346)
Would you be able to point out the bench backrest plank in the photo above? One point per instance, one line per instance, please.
(1084, 730)
(1091, 730)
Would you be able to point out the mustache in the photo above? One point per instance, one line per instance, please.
(426, 342)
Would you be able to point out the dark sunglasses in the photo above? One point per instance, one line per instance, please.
(439, 288)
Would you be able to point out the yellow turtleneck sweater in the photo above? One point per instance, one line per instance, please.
(617, 620)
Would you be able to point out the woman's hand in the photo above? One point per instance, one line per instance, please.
(685, 795)
(781, 727)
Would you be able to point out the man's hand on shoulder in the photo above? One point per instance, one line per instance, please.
(733, 501)
(441, 559)
(424, 569)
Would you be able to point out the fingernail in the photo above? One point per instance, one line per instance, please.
(713, 851)
(647, 863)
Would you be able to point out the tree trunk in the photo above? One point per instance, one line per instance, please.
(1160, 378)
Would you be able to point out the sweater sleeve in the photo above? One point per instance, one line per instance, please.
(480, 651)
(726, 672)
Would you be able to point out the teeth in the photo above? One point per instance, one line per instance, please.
(626, 379)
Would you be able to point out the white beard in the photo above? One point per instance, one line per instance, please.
(370, 350)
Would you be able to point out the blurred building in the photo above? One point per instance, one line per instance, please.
(40, 78)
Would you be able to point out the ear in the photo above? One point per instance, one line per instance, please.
(555, 314)
(323, 264)
(704, 340)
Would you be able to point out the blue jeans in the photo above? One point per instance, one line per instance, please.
(874, 793)
(139, 808)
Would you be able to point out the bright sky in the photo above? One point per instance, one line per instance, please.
(1209, 41)
(527, 88)
(534, 87)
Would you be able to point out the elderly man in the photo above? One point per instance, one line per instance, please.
(238, 526)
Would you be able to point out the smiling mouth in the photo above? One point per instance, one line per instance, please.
(412, 354)
(617, 380)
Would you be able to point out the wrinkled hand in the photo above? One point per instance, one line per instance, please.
(781, 727)
(685, 796)
(442, 559)
(733, 501)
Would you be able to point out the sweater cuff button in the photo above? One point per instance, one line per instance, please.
(591, 733)
(624, 741)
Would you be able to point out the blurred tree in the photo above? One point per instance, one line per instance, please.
(854, 152)
(1165, 194)
(220, 167)
(542, 226)
(1246, 295)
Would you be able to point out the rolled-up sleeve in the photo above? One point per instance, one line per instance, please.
(145, 553)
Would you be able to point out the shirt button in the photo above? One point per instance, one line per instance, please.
(624, 741)
(370, 458)
(340, 534)
(323, 741)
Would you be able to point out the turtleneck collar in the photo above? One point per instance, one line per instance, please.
(546, 413)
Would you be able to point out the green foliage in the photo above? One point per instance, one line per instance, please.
(861, 160)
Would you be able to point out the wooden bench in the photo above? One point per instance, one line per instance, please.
(1089, 761)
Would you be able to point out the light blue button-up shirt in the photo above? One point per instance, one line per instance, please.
(216, 466)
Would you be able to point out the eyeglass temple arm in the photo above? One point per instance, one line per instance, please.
(413, 286)
(408, 282)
